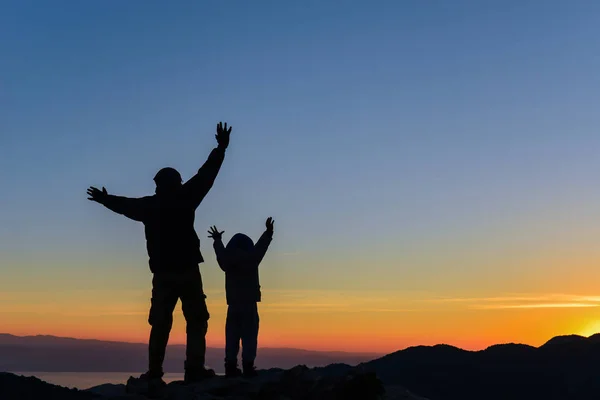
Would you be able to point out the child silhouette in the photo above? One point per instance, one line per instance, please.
(240, 261)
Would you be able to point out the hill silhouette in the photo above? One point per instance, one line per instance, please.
(565, 367)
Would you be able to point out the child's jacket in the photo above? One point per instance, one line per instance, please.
(242, 284)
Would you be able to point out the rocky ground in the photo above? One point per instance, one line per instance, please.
(298, 383)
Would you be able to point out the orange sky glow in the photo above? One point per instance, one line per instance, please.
(330, 321)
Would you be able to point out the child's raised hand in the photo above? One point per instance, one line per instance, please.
(270, 222)
(214, 233)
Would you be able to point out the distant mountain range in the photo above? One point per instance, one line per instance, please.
(59, 354)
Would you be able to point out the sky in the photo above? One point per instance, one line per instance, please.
(432, 167)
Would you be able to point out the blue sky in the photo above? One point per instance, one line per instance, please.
(397, 144)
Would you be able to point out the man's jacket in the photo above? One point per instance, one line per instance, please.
(171, 239)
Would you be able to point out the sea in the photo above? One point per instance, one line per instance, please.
(86, 380)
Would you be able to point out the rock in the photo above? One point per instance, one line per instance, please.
(108, 390)
(395, 392)
(15, 387)
(298, 383)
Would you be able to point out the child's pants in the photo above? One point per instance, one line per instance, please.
(241, 324)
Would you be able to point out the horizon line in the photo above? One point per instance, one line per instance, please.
(183, 344)
(370, 353)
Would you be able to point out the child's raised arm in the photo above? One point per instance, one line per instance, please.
(218, 246)
(262, 245)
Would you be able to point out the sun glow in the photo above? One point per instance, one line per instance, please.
(591, 328)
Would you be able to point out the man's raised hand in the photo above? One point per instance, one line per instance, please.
(214, 233)
(223, 135)
(97, 195)
(269, 224)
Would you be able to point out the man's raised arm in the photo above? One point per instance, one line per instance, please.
(132, 208)
(200, 184)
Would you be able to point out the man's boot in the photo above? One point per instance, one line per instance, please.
(232, 370)
(197, 374)
(249, 369)
(149, 384)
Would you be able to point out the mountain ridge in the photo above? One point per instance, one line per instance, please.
(47, 353)
(564, 367)
(66, 338)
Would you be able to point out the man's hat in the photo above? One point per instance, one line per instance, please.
(168, 176)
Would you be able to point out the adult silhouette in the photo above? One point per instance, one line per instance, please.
(174, 257)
